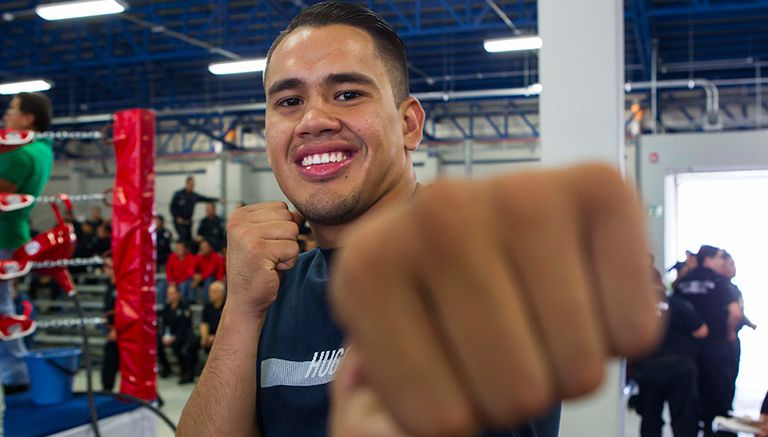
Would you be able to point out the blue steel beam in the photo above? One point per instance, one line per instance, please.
(210, 134)
(642, 34)
(512, 106)
(710, 9)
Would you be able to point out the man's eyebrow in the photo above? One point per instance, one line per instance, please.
(285, 84)
(340, 78)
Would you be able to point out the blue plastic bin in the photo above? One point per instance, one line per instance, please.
(50, 373)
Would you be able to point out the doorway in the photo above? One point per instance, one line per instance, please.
(729, 210)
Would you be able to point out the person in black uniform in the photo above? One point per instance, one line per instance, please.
(764, 414)
(163, 240)
(183, 206)
(709, 292)
(729, 271)
(212, 228)
(671, 373)
(111, 360)
(209, 322)
(175, 329)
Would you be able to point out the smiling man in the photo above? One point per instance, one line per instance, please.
(450, 302)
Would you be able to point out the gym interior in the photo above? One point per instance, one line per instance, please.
(668, 91)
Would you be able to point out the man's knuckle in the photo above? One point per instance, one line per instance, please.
(583, 377)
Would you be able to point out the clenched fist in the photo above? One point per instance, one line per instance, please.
(261, 242)
(482, 304)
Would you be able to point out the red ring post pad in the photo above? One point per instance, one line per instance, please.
(133, 251)
(11, 139)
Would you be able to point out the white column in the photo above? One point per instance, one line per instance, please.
(582, 104)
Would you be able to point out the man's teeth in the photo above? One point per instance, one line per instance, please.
(324, 158)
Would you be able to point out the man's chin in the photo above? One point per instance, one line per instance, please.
(330, 212)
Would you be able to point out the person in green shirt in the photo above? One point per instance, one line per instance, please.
(24, 170)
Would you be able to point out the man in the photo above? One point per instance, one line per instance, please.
(183, 206)
(23, 170)
(177, 333)
(452, 326)
(209, 267)
(729, 272)
(180, 269)
(211, 228)
(163, 240)
(709, 293)
(671, 373)
(211, 315)
(95, 218)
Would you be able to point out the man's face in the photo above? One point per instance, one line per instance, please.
(172, 295)
(215, 292)
(210, 210)
(336, 141)
(729, 268)
(205, 248)
(179, 249)
(15, 119)
(716, 263)
(190, 185)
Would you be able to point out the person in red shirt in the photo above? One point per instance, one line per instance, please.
(210, 267)
(180, 269)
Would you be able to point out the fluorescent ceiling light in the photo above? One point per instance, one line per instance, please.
(513, 44)
(535, 89)
(79, 9)
(29, 86)
(236, 67)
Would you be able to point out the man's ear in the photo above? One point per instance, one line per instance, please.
(29, 121)
(413, 123)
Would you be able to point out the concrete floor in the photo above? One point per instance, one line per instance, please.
(175, 397)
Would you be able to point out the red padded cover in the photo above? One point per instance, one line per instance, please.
(133, 251)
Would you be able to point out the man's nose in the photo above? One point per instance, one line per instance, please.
(318, 119)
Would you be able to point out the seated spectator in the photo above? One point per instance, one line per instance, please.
(176, 332)
(104, 237)
(212, 228)
(111, 360)
(180, 269)
(163, 241)
(85, 247)
(94, 218)
(163, 244)
(210, 267)
(211, 315)
(69, 217)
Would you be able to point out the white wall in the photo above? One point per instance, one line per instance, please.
(685, 153)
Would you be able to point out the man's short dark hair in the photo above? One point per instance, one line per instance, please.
(387, 41)
(706, 251)
(38, 105)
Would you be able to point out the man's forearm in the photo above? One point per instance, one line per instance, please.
(224, 400)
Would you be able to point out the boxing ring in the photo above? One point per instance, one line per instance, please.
(133, 252)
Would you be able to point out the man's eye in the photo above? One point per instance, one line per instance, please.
(290, 101)
(348, 95)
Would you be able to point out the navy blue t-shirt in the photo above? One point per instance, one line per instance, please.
(300, 350)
